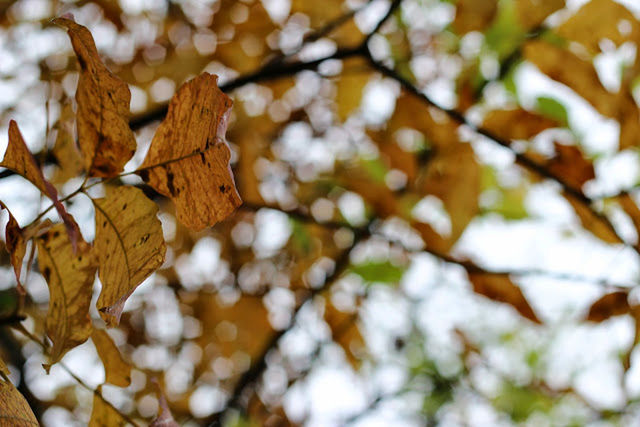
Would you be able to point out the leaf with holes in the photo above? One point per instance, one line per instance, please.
(129, 246)
(105, 138)
(189, 159)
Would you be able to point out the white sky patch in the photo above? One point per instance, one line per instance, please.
(430, 210)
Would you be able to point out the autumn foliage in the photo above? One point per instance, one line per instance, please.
(255, 196)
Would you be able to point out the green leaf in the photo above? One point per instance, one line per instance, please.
(553, 109)
(520, 402)
(506, 33)
(379, 272)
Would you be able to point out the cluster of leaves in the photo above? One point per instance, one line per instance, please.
(187, 158)
(363, 193)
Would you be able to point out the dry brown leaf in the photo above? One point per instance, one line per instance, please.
(188, 159)
(601, 19)
(345, 332)
(14, 409)
(129, 246)
(4, 370)
(474, 15)
(70, 278)
(118, 372)
(453, 176)
(517, 123)
(103, 414)
(532, 13)
(104, 135)
(16, 245)
(499, 287)
(322, 13)
(580, 75)
(609, 305)
(570, 164)
(596, 224)
(19, 159)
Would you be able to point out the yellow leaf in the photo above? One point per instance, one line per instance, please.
(517, 123)
(609, 305)
(598, 20)
(3, 368)
(118, 372)
(129, 246)
(189, 159)
(532, 13)
(499, 287)
(106, 140)
(16, 245)
(103, 414)
(14, 409)
(474, 15)
(70, 278)
(453, 176)
(596, 224)
(19, 159)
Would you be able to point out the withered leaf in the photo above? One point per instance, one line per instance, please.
(570, 164)
(609, 305)
(16, 245)
(4, 370)
(117, 371)
(598, 225)
(517, 123)
(70, 278)
(67, 154)
(14, 409)
(104, 414)
(19, 159)
(129, 246)
(104, 135)
(188, 159)
(499, 287)
(631, 208)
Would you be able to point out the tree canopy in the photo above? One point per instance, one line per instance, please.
(297, 212)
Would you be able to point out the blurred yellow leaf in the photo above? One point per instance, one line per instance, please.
(580, 75)
(453, 176)
(474, 15)
(105, 138)
(70, 278)
(189, 159)
(532, 13)
(351, 83)
(517, 123)
(117, 371)
(345, 332)
(595, 224)
(129, 246)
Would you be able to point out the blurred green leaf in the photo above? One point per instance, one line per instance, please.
(520, 402)
(552, 108)
(379, 272)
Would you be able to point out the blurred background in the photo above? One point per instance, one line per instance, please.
(436, 193)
